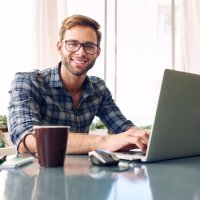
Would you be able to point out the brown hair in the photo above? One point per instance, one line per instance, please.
(80, 20)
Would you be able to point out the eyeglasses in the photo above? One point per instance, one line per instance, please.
(74, 46)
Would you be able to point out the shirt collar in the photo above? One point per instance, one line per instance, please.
(87, 85)
(55, 80)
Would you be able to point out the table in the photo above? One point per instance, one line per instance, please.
(78, 180)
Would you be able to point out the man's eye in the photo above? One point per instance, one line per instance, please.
(89, 46)
(74, 44)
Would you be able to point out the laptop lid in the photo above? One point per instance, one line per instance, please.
(176, 129)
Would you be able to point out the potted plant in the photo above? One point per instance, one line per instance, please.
(3, 123)
(2, 140)
(3, 130)
(98, 128)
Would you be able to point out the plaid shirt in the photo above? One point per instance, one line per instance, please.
(39, 98)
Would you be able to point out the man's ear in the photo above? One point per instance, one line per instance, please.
(98, 51)
(59, 46)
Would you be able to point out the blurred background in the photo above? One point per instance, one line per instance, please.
(141, 38)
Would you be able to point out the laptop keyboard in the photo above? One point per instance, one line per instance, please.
(130, 155)
(135, 152)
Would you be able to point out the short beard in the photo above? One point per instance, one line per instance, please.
(76, 73)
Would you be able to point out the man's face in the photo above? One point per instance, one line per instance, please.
(79, 62)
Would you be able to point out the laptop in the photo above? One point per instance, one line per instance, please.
(176, 129)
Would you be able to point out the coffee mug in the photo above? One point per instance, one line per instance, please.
(51, 144)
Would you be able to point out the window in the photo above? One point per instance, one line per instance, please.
(144, 50)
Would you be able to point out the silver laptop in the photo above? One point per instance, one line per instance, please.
(176, 129)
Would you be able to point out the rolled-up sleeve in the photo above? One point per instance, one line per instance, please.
(110, 113)
(23, 108)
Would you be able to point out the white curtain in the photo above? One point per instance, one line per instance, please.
(48, 17)
(190, 29)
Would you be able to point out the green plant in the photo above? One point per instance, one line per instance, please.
(2, 140)
(3, 121)
(97, 124)
(147, 127)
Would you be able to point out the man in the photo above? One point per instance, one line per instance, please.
(65, 95)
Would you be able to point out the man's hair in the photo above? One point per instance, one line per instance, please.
(80, 20)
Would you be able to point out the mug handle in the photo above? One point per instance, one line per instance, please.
(26, 147)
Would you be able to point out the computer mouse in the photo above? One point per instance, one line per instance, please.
(103, 157)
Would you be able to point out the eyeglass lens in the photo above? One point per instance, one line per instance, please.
(73, 46)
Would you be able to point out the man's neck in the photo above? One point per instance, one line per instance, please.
(71, 82)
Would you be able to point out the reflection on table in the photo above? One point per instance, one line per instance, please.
(78, 180)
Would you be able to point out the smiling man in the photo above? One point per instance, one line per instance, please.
(65, 95)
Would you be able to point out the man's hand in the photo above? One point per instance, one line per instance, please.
(132, 138)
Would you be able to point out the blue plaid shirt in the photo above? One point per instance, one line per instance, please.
(39, 98)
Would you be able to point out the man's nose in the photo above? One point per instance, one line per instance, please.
(81, 50)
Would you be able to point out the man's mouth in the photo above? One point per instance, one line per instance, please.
(79, 61)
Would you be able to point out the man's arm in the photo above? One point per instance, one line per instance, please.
(132, 138)
(77, 143)
(82, 144)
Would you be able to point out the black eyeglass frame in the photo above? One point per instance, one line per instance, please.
(81, 45)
